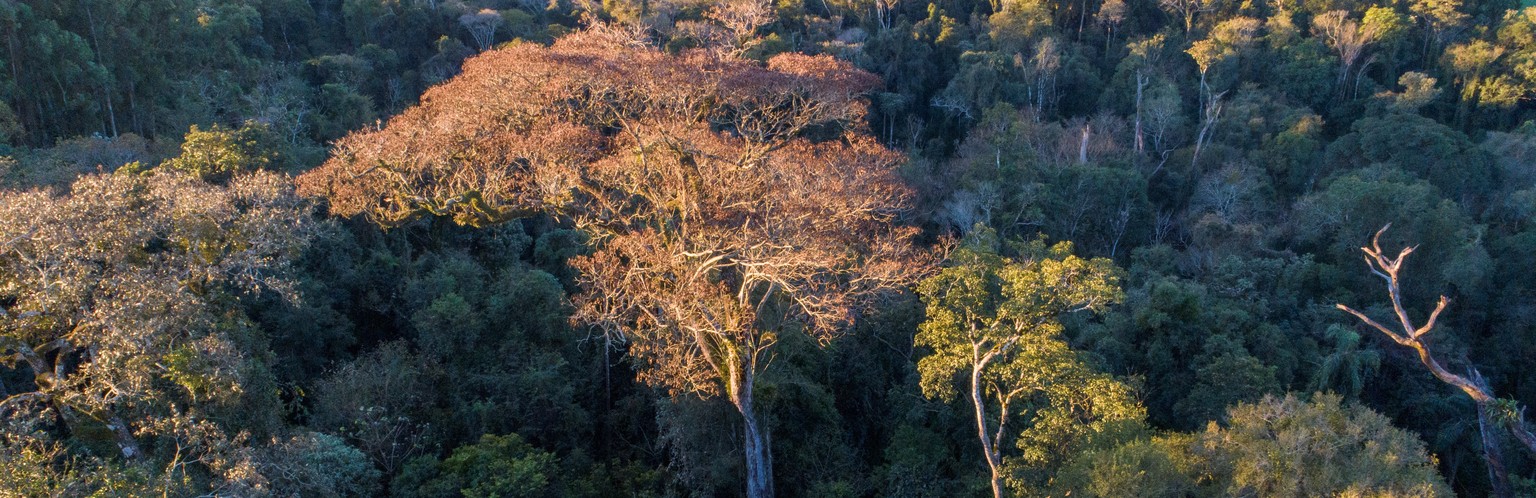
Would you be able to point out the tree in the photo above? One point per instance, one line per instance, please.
(1289, 447)
(218, 152)
(482, 25)
(496, 466)
(1227, 42)
(1442, 18)
(1111, 14)
(1144, 58)
(1470, 62)
(1492, 410)
(727, 202)
(996, 322)
(381, 402)
(1186, 10)
(740, 21)
(1418, 90)
(1347, 37)
(122, 300)
(1276, 446)
(319, 464)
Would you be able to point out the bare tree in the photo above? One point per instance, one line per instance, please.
(1147, 55)
(1186, 10)
(482, 25)
(1346, 37)
(740, 19)
(1492, 411)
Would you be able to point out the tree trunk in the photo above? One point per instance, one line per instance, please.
(124, 436)
(994, 461)
(1082, 146)
(106, 94)
(759, 458)
(1141, 83)
(1498, 477)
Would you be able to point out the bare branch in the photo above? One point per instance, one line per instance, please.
(1411, 336)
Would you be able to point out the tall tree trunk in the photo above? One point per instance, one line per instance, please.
(106, 93)
(1082, 20)
(759, 457)
(1082, 146)
(994, 460)
(1141, 83)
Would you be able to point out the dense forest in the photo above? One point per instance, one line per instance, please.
(829, 248)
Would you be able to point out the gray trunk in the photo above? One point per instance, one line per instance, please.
(759, 457)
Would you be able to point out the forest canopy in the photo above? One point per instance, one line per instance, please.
(438, 248)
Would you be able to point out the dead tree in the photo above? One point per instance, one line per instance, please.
(1491, 409)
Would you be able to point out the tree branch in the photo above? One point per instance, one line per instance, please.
(1411, 336)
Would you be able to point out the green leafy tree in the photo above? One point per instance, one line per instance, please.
(218, 153)
(495, 467)
(1279, 447)
(318, 464)
(1290, 447)
(995, 323)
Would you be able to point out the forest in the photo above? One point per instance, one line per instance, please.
(821, 248)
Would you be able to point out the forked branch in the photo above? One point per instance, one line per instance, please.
(1410, 335)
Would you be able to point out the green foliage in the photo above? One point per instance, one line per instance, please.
(381, 403)
(494, 467)
(1224, 381)
(1419, 145)
(1335, 218)
(423, 339)
(1160, 466)
(998, 319)
(1275, 447)
(219, 153)
(1291, 447)
(318, 464)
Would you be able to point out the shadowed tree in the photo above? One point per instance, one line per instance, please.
(1186, 10)
(727, 202)
(1348, 38)
(1230, 40)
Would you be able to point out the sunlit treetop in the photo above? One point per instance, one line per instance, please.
(727, 200)
(513, 133)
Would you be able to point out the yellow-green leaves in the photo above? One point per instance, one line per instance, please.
(219, 152)
(984, 303)
(996, 320)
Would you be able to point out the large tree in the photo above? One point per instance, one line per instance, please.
(727, 202)
(122, 300)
